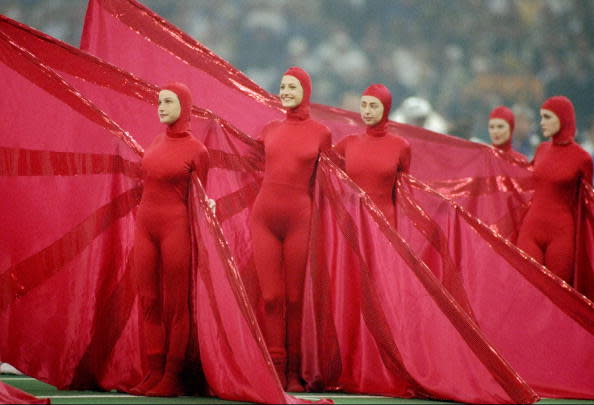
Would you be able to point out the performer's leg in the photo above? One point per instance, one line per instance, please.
(295, 253)
(559, 256)
(176, 262)
(268, 259)
(528, 243)
(146, 259)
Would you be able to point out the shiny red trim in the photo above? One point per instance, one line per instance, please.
(21, 278)
(29, 162)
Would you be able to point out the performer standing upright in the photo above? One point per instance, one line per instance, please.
(375, 159)
(162, 251)
(501, 129)
(280, 222)
(549, 227)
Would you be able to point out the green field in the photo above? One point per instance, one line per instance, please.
(43, 390)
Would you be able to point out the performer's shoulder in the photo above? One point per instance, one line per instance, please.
(399, 139)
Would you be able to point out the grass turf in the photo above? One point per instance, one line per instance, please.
(42, 390)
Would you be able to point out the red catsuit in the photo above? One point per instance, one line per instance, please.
(507, 115)
(162, 254)
(280, 226)
(374, 159)
(548, 230)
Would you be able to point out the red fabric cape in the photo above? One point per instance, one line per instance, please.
(72, 174)
(491, 185)
(484, 183)
(237, 169)
(11, 395)
(238, 159)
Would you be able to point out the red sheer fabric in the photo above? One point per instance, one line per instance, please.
(379, 320)
(489, 185)
(237, 159)
(11, 395)
(542, 326)
(482, 181)
(492, 185)
(73, 176)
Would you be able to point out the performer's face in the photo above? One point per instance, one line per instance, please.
(372, 110)
(549, 123)
(290, 92)
(169, 107)
(499, 131)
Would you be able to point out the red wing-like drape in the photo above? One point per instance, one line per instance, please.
(70, 184)
(236, 163)
(379, 320)
(68, 309)
(490, 185)
(541, 325)
(11, 395)
(463, 168)
(584, 269)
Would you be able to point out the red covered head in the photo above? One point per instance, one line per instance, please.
(183, 124)
(507, 115)
(300, 112)
(382, 93)
(562, 107)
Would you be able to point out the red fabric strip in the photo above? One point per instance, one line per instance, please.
(27, 65)
(451, 277)
(230, 161)
(564, 296)
(237, 201)
(184, 47)
(497, 366)
(476, 186)
(28, 162)
(23, 277)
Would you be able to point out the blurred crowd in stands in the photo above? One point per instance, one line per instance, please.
(456, 59)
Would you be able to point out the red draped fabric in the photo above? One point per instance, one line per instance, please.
(477, 176)
(11, 395)
(236, 166)
(491, 185)
(68, 309)
(541, 325)
(378, 320)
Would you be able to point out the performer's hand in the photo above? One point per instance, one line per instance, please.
(213, 205)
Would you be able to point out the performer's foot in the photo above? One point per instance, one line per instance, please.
(156, 365)
(294, 384)
(149, 382)
(169, 386)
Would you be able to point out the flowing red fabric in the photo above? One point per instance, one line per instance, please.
(237, 162)
(379, 320)
(73, 174)
(541, 325)
(490, 184)
(476, 175)
(11, 395)
(241, 157)
(483, 181)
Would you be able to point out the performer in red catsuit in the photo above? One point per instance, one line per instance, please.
(374, 159)
(162, 255)
(280, 221)
(501, 129)
(548, 230)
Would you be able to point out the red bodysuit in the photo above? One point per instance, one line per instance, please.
(374, 159)
(507, 115)
(162, 253)
(548, 230)
(280, 226)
